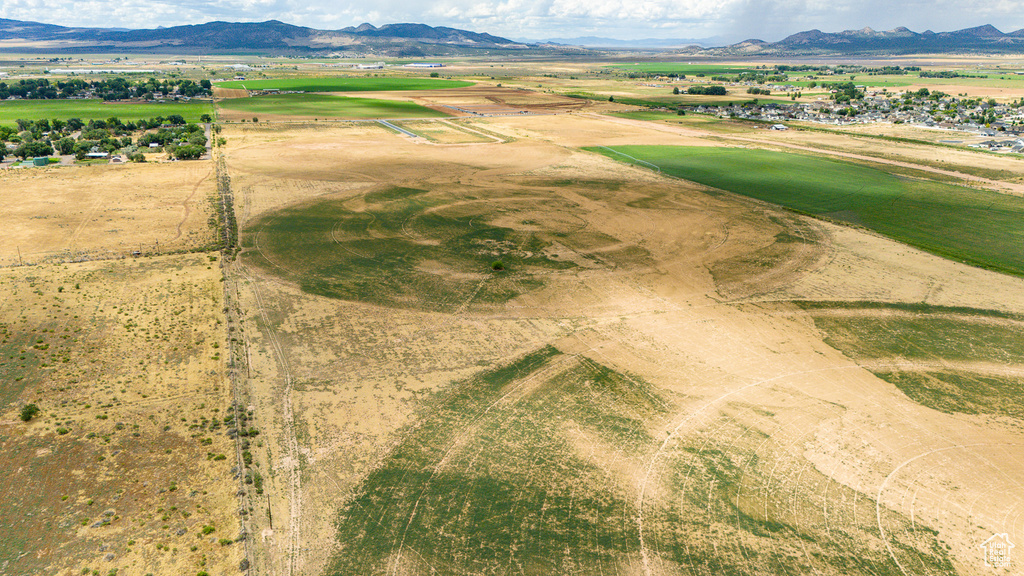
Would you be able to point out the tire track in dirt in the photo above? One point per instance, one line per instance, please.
(81, 225)
(702, 411)
(291, 461)
(186, 206)
(895, 471)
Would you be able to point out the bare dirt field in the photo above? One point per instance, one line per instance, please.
(88, 212)
(219, 92)
(653, 381)
(128, 467)
(444, 132)
(486, 100)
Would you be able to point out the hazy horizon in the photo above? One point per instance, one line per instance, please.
(725, 21)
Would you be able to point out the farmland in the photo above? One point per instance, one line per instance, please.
(98, 110)
(651, 383)
(323, 106)
(121, 469)
(551, 335)
(106, 211)
(919, 213)
(346, 84)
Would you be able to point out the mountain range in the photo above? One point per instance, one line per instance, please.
(272, 36)
(410, 40)
(642, 43)
(980, 39)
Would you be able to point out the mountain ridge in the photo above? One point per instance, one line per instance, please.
(986, 38)
(271, 35)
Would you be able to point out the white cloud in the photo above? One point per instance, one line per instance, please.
(736, 19)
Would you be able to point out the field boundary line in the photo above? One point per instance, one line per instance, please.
(637, 160)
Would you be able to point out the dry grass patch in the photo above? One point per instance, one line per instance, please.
(105, 211)
(123, 466)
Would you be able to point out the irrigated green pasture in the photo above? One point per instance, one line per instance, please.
(329, 106)
(346, 84)
(532, 468)
(978, 227)
(96, 109)
(669, 68)
(410, 248)
(949, 359)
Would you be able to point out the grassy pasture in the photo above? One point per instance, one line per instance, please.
(96, 109)
(958, 337)
(978, 227)
(666, 68)
(406, 249)
(328, 106)
(346, 84)
(961, 392)
(501, 468)
(512, 488)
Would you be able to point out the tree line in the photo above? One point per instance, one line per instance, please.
(108, 89)
(44, 137)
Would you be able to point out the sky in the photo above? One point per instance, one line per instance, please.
(724, 21)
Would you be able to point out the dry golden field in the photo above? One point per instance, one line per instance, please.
(656, 383)
(123, 467)
(487, 350)
(107, 211)
(129, 466)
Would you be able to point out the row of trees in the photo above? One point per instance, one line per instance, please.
(108, 89)
(184, 141)
(713, 90)
(57, 128)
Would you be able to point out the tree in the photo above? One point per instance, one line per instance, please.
(33, 149)
(66, 145)
(83, 147)
(206, 118)
(28, 412)
(255, 119)
(675, 89)
(75, 124)
(189, 152)
(175, 119)
(58, 125)
(3, 152)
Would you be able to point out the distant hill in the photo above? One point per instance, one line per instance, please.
(271, 36)
(982, 39)
(601, 42)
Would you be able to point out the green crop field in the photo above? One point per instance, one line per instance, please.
(378, 255)
(12, 110)
(329, 106)
(930, 352)
(978, 227)
(346, 84)
(497, 467)
(667, 68)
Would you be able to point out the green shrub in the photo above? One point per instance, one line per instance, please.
(28, 412)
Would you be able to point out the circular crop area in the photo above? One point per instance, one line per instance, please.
(411, 248)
